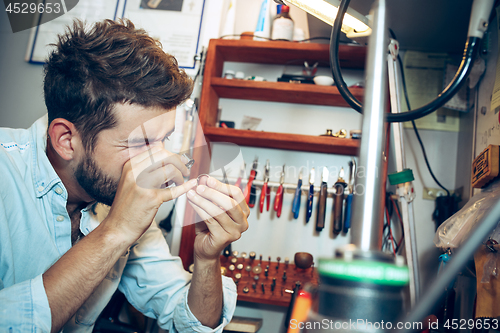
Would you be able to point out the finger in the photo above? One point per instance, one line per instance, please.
(230, 190)
(211, 210)
(158, 158)
(175, 192)
(224, 201)
(214, 227)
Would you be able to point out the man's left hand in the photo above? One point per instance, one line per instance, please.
(224, 212)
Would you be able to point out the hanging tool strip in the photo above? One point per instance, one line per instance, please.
(286, 186)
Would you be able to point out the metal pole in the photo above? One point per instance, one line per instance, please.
(366, 227)
(406, 205)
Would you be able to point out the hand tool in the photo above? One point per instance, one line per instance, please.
(250, 189)
(350, 196)
(320, 217)
(240, 175)
(296, 198)
(278, 200)
(266, 190)
(338, 202)
(310, 196)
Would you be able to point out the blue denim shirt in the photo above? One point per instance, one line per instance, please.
(35, 231)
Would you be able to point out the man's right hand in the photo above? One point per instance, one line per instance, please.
(141, 190)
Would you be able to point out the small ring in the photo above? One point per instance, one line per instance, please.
(198, 178)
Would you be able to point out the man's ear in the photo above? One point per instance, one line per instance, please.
(64, 138)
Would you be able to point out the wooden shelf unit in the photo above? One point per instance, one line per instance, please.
(216, 87)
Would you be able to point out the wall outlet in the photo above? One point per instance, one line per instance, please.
(432, 193)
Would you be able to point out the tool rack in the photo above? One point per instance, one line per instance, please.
(216, 87)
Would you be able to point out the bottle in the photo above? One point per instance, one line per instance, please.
(263, 28)
(283, 25)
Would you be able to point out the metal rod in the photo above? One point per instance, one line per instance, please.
(366, 228)
(429, 300)
(406, 205)
(286, 186)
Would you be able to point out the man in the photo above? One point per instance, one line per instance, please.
(111, 94)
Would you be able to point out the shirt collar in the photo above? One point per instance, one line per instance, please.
(44, 175)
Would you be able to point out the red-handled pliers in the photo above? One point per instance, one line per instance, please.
(250, 188)
(266, 190)
(278, 200)
(240, 176)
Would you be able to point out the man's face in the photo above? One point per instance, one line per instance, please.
(138, 128)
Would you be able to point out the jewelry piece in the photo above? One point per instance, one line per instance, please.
(198, 178)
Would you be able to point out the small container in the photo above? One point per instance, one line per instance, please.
(240, 75)
(229, 74)
(283, 25)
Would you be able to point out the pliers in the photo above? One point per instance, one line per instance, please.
(250, 191)
(310, 196)
(296, 198)
(278, 200)
(240, 176)
(266, 190)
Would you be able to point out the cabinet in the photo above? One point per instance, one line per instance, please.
(216, 87)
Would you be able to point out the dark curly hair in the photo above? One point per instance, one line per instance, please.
(94, 68)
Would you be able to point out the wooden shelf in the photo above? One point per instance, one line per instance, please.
(309, 143)
(282, 92)
(282, 52)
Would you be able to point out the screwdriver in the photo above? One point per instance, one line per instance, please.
(350, 196)
(338, 202)
(250, 191)
(296, 198)
(320, 217)
(310, 196)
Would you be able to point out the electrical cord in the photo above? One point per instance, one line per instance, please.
(471, 49)
(405, 90)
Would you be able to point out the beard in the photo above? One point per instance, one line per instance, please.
(98, 185)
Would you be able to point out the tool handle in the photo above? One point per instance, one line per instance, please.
(263, 197)
(338, 206)
(347, 215)
(278, 201)
(320, 218)
(310, 202)
(238, 182)
(253, 173)
(268, 197)
(296, 200)
(253, 194)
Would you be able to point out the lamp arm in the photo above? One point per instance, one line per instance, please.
(478, 24)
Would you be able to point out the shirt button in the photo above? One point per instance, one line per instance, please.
(60, 218)
(59, 190)
(40, 188)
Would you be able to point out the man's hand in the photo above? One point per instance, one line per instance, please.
(141, 190)
(224, 212)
